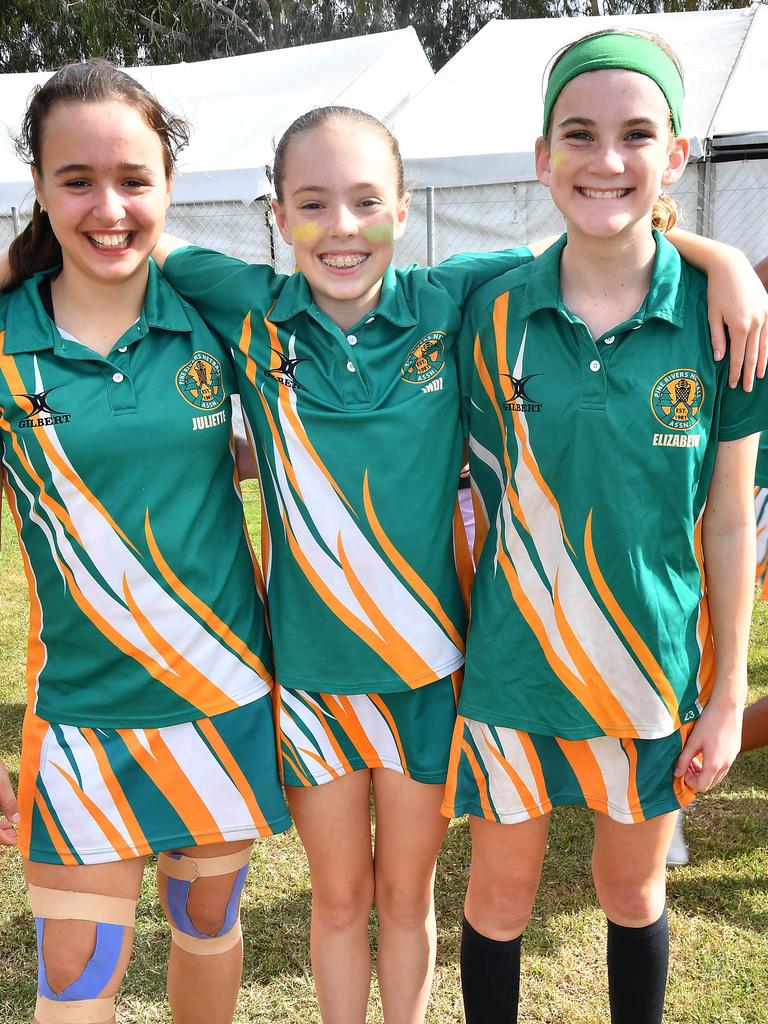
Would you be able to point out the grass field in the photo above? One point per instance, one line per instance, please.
(718, 904)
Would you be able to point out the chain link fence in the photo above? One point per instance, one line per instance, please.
(727, 201)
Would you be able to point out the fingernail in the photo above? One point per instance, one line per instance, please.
(718, 354)
(15, 818)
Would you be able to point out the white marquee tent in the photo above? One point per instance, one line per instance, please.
(475, 123)
(238, 105)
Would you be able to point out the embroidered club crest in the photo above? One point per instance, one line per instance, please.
(199, 382)
(676, 399)
(425, 360)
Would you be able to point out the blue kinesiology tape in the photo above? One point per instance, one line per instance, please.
(178, 895)
(96, 973)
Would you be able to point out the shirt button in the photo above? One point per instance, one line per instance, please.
(594, 366)
(123, 348)
(351, 339)
(370, 319)
(610, 341)
(118, 378)
(351, 366)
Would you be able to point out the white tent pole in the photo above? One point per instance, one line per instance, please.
(704, 212)
(430, 226)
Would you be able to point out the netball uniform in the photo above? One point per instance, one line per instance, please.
(359, 445)
(761, 514)
(148, 667)
(590, 651)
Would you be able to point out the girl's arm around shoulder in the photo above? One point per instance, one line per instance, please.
(9, 809)
(736, 300)
(463, 273)
(729, 565)
(221, 288)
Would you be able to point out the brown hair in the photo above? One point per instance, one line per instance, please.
(665, 214)
(92, 81)
(325, 115)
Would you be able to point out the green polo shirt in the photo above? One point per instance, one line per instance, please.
(359, 446)
(761, 472)
(144, 610)
(592, 459)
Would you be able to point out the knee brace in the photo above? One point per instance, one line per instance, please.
(181, 872)
(81, 1002)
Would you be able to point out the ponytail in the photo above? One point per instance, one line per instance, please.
(35, 249)
(664, 214)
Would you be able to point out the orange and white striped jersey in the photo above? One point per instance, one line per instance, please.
(359, 445)
(590, 461)
(120, 474)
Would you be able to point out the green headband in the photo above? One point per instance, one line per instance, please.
(617, 50)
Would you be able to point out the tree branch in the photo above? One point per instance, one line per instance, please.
(239, 23)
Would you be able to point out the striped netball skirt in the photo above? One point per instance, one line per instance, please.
(761, 514)
(323, 736)
(90, 796)
(510, 776)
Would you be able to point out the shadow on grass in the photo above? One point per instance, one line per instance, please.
(11, 718)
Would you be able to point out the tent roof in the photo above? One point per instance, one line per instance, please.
(476, 121)
(239, 105)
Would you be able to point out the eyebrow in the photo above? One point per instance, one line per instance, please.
(362, 185)
(80, 168)
(631, 122)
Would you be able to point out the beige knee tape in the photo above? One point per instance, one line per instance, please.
(188, 869)
(82, 1011)
(61, 905)
(207, 947)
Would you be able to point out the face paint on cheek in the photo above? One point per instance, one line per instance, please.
(307, 231)
(557, 159)
(378, 233)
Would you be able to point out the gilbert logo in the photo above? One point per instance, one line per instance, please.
(285, 373)
(42, 414)
(519, 400)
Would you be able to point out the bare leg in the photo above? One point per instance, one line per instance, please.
(334, 823)
(409, 832)
(628, 866)
(504, 875)
(68, 945)
(754, 732)
(204, 989)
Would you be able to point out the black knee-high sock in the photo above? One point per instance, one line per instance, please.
(490, 977)
(638, 959)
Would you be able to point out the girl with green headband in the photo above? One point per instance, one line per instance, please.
(612, 471)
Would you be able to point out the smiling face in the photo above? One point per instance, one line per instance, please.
(341, 211)
(101, 179)
(609, 153)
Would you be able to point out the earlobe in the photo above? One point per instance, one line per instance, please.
(282, 226)
(678, 158)
(401, 218)
(543, 161)
(36, 186)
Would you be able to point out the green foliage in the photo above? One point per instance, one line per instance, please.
(40, 35)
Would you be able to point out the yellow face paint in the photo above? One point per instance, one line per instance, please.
(557, 159)
(378, 233)
(307, 231)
